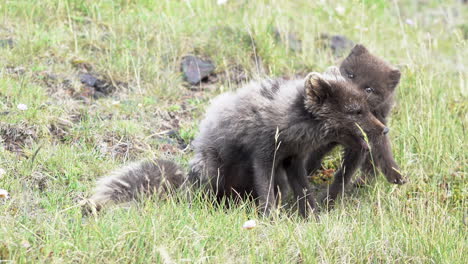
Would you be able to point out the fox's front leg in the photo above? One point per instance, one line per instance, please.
(314, 160)
(264, 185)
(383, 159)
(351, 162)
(298, 179)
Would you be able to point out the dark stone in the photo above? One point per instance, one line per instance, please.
(338, 44)
(100, 87)
(196, 70)
(7, 43)
(88, 79)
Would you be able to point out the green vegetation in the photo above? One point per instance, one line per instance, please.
(53, 151)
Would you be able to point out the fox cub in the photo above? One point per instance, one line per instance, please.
(378, 79)
(251, 138)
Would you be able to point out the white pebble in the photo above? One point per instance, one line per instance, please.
(340, 10)
(410, 22)
(249, 224)
(4, 194)
(22, 107)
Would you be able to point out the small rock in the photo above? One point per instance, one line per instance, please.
(339, 44)
(410, 22)
(195, 69)
(7, 43)
(22, 107)
(95, 86)
(340, 10)
(250, 224)
(2, 172)
(4, 194)
(88, 79)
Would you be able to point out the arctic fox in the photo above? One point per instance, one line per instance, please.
(378, 79)
(251, 138)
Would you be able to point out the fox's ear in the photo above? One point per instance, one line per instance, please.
(359, 49)
(317, 88)
(394, 76)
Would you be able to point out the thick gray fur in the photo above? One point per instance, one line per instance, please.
(136, 179)
(251, 137)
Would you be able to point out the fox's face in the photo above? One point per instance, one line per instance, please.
(371, 74)
(343, 109)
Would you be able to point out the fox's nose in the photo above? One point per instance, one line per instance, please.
(386, 130)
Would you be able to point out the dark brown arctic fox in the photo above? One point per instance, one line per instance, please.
(135, 180)
(265, 130)
(378, 80)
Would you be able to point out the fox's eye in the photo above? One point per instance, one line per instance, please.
(369, 90)
(349, 74)
(356, 112)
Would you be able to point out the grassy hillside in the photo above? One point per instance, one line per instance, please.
(59, 134)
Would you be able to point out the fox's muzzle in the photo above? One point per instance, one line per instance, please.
(381, 127)
(386, 130)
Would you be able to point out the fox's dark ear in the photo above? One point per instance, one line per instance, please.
(394, 76)
(317, 88)
(359, 49)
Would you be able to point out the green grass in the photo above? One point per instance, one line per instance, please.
(68, 143)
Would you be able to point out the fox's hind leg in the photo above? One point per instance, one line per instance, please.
(264, 185)
(298, 179)
(206, 172)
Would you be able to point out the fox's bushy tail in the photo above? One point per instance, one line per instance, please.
(137, 179)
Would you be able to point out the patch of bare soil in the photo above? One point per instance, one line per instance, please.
(15, 138)
(60, 128)
(83, 83)
(82, 86)
(122, 147)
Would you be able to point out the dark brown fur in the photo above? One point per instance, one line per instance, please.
(378, 79)
(264, 131)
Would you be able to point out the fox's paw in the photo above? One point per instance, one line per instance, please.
(396, 177)
(326, 201)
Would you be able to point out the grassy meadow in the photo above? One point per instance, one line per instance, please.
(58, 135)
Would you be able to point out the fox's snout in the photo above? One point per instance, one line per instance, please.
(386, 130)
(380, 127)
